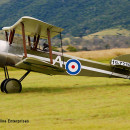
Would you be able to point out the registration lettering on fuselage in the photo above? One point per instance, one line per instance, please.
(122, 63)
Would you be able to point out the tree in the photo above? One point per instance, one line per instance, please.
(71, 48)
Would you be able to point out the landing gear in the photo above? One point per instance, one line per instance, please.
(2, 85)
(11, 85)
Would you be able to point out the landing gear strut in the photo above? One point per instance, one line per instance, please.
(11, 85)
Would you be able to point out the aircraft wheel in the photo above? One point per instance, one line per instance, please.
(2, 85)
(12, 86)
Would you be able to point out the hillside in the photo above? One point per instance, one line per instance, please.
(105, 39)
(108, 32)
(78, 18)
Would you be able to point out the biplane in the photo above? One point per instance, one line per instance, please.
(29, 56)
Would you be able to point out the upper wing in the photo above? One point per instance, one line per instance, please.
(34, 27)
(37, 65)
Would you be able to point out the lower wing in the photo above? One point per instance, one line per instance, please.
(37, 65)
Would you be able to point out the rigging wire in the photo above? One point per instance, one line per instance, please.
(62, 47)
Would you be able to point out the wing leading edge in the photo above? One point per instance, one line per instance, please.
(34, 27)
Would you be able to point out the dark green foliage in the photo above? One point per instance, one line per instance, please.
(107, 46)
(77, 17)
(84, 49)
(55, 49)
(71, 48)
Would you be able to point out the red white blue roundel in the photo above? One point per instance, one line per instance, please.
(73, 67)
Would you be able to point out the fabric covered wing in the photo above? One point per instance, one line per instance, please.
(37, 65)
(34, 27)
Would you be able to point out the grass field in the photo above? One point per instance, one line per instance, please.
(67, 103)
(101, 55)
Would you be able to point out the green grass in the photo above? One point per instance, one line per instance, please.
(67, 103)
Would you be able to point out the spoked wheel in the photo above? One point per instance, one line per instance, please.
(12, 86)
(2, 85)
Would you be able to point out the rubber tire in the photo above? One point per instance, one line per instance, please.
(2, 85)
(12, 86)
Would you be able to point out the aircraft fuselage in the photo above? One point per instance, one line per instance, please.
(12, 54)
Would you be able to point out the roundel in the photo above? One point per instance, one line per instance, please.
(73, 67)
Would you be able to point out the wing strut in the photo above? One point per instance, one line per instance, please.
(11, 36)
(6, 35)
(24, 41)
(36, 42)
(62, 47)
(29, 41)
(49, 43)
